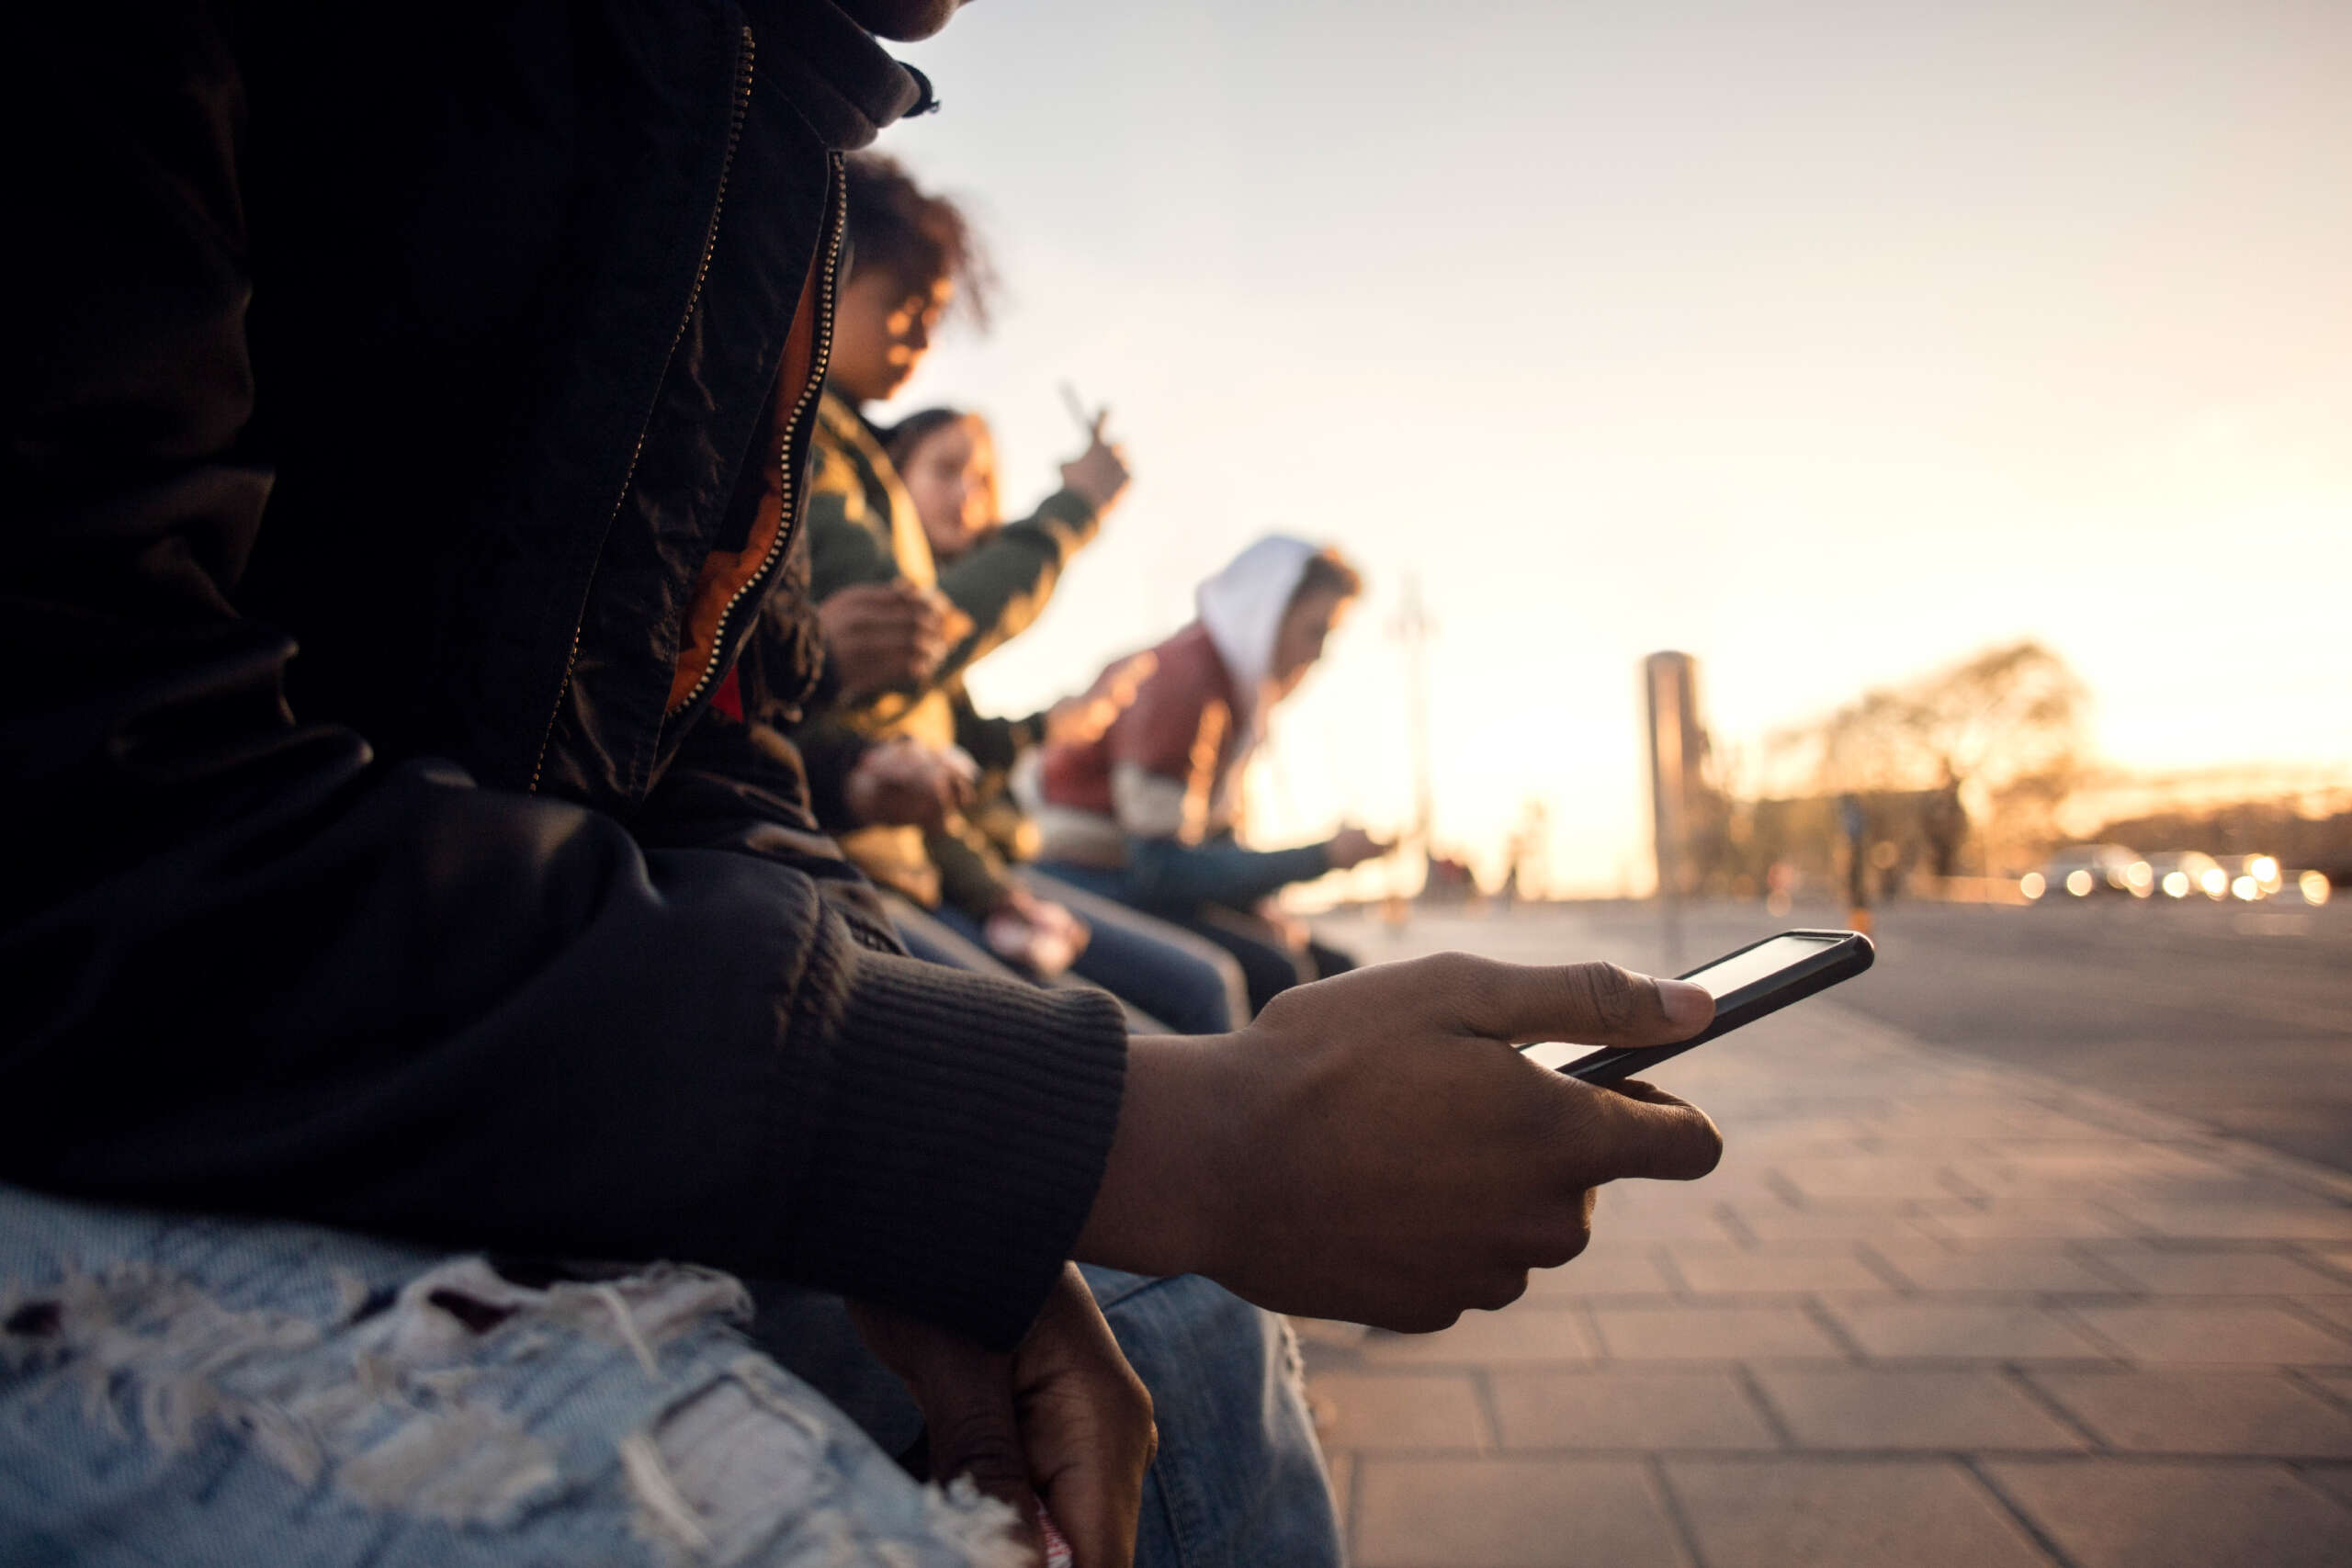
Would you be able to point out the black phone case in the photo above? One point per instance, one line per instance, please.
(1847, 958)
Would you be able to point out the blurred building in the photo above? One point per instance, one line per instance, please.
(1687, 807)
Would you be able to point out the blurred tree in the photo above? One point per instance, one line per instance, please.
(2010, 726)
(2004, 715)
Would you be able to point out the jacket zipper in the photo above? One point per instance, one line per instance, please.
(789, 524)
(741, 107)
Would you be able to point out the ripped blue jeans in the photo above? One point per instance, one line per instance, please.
(177, 1389)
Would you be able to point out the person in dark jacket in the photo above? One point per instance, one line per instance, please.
(477, 350)
(1148, 812)
(543, 963)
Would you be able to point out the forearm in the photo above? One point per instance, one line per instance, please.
(1170, 874)
(1158, 1210)
(485, 1020)
(1003, 583)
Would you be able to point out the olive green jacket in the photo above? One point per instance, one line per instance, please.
(862, 527)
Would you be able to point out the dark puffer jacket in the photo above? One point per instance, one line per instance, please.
(508, 442)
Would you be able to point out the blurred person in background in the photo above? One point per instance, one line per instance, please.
(872, 567)
(878, 729)
(947, 460)
(1148, 813)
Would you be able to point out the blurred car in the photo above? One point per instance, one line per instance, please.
(2310, 888)
(2083, 870)
(2253, 878)
(2180, 873)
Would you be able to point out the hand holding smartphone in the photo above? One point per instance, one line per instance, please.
(1748, 983)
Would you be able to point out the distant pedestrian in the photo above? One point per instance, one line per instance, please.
(1855, 824)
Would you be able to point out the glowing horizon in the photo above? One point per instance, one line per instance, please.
(1828, 341)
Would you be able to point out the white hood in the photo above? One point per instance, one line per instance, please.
(1241, 607)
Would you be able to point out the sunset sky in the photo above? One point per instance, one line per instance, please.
(1827, 341)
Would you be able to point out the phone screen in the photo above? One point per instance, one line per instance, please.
(1720, 980)
(1747, 986)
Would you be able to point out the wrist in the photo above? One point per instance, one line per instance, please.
(1167, 1203)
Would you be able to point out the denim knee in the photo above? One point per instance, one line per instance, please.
(1239, 1480)
(175, 1389)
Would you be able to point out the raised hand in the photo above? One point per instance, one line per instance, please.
(1099, 473)
(1353, 846)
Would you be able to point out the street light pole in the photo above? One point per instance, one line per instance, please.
(1668, 681)
(1412, 628)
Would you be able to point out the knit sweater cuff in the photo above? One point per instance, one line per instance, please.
(964, 1130)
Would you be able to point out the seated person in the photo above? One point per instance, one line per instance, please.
(456, 935)
(901, 627)
(1146, 814)
(947, 460)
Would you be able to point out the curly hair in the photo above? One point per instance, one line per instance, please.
(918, 237)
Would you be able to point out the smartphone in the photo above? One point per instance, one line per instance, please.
(1762, 978)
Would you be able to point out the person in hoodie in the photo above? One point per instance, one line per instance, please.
(881, 592)
(1147, 813)
(947, 459)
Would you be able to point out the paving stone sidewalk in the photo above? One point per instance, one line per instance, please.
(1932, 1310)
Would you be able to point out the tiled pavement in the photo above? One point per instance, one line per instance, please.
(1931, 1310)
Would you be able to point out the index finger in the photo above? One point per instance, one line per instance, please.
(1655, 1139)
